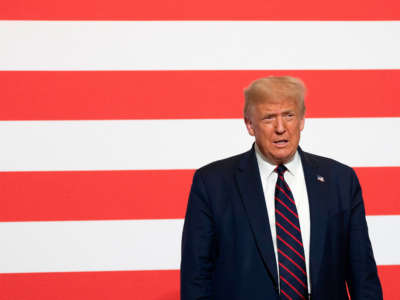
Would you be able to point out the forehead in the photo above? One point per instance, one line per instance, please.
(276, 105)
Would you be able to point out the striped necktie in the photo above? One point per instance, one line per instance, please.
(292, 267)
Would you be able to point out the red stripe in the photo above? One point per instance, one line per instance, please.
(292, 287)
(124, 285)
(94, 195)
(300, 268)
(378, 199)
(297, 228)
(75, 95)
(290, 247)
(291, 273)
(291, 235)
(102, 195)
(204, 10)
(287, 196)
(389, 276)
(287, 207)
(283, 292)
(149, 285)
(284, 182)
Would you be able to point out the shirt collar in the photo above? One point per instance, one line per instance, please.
(267, 168)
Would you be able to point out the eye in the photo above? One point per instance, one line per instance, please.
(290, 115)
(268, 117)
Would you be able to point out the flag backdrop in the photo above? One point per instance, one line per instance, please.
(108, 107)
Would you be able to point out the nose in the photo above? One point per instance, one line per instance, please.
(280, 125)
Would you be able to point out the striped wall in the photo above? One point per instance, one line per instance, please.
(108, 107)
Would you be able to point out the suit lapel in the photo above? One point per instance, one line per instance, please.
(249, 182)
(317, 191)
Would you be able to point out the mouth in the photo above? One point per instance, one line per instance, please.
(281, 143)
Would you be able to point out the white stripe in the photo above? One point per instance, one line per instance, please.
(126, 245)
(180, 144)
(90, 245)
(384, 232)
(179, 45)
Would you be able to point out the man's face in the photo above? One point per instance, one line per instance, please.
(276, 125)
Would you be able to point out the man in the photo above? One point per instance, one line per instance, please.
(276, 222)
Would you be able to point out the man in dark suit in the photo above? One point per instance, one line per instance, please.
(276, 222)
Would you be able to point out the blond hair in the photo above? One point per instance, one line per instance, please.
(272, 88)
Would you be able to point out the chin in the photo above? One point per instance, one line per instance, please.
(283, 158)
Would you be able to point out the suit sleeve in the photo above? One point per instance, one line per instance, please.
(198, 245)
(362, 277)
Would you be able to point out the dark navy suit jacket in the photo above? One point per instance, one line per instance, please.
(227, 250)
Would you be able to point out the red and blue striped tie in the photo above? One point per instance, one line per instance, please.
(292, 266)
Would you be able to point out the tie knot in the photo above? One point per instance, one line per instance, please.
(280, 169)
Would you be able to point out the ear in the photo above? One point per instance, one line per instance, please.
(302, 123)
(249, 126)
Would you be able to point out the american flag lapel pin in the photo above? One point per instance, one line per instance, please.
(320, 178)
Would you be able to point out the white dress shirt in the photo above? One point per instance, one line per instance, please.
(294, 177)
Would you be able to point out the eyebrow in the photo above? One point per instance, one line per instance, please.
(283, 112)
